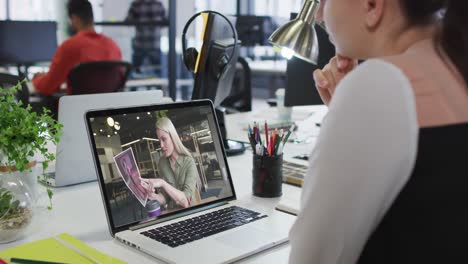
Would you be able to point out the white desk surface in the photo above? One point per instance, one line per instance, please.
(157, 81)
(305, 118)
(79, 211)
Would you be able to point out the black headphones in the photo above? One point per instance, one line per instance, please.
(190, 55)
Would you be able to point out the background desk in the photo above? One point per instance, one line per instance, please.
(268, 67)
(162, 82)
(79, 211)
(273, 71)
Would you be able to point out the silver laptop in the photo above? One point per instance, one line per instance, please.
(74, 163)
(213, 227)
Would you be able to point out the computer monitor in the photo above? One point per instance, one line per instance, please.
(218, 41)
(213, 75)
(207, 84)
(254, 30)
(300, 84)
(27, 42)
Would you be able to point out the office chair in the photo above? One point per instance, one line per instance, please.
(240, 98)
(9, 80)
(99, 77)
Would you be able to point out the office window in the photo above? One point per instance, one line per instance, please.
(276, 8)
(33, 10)
(224, 7)
(3, 10)
(40, 9)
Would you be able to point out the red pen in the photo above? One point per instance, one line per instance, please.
(269, 145)
(266, 133)
(273, 141)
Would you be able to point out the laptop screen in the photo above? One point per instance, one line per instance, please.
(158, 160)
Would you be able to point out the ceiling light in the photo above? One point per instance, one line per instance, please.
(110, 121)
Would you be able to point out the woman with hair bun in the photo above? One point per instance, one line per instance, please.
(388, 180)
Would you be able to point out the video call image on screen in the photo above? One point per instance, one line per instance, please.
(155, 163)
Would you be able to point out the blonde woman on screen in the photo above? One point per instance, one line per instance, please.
(176, 184)
(387, 180)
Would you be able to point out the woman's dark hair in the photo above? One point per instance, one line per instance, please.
(453, 35)
(81, 9)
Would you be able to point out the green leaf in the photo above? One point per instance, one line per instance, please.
(22, 134)
(15, 205)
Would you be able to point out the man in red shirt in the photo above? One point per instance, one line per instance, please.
(85, 46)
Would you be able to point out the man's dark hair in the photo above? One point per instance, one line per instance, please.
(81, 9)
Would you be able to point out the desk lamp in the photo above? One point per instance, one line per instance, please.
(298, 37)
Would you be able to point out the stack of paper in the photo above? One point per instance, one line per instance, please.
(291, 201)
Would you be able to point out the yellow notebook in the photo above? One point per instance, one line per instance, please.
(64, 249)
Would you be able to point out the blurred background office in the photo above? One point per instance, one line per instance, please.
(150, 39)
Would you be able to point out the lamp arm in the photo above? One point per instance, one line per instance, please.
(308, 11)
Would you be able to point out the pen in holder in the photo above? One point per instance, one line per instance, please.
(267, 176)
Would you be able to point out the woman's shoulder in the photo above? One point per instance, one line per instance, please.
(380, 66)
(374, 84)
(411, 60)
(408, 64)
(373, 75)
(187, 160)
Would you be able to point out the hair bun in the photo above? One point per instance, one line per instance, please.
(454, 35)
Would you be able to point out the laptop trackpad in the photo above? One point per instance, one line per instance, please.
(247, 238)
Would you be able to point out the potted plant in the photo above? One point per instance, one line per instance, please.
(23, 134)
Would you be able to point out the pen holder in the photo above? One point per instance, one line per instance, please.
(267, 175)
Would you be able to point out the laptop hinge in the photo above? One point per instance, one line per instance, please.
(165, 219)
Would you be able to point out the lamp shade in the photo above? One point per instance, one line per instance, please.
(298, 37)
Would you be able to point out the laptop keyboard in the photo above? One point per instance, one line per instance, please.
(195, 228)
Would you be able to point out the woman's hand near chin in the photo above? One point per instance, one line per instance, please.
(327, 79)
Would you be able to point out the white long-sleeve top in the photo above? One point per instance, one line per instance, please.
(364, 155)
